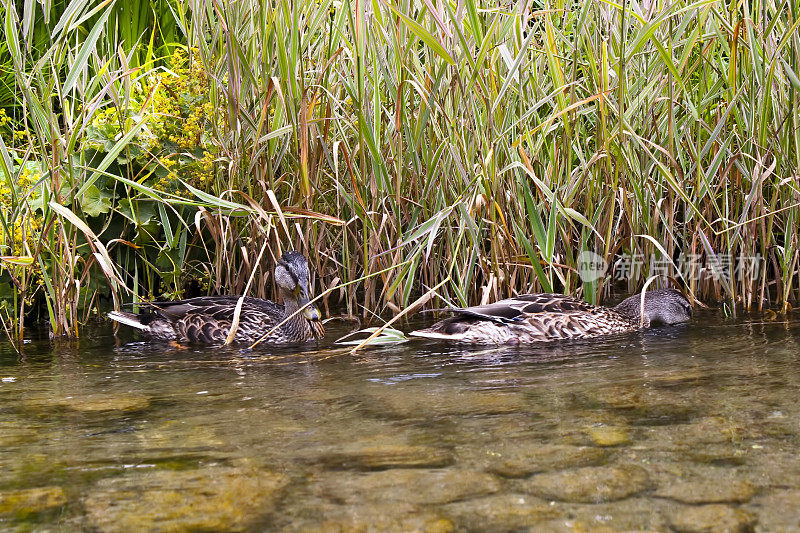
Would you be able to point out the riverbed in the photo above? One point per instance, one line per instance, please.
(688, 428)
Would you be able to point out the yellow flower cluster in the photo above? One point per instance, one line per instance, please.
(25, 228)
(11, 137)
(195, 125)
(199, 173)
(108, 115)
(175, 143)
(28, 179)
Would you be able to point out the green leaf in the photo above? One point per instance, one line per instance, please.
(387, 336)
(110, 157)
(424, 34)
(79, 63)
(513, 70)
(140, 212)
(18, 260)
(95, 202)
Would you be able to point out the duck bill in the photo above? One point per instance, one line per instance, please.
(310, 312)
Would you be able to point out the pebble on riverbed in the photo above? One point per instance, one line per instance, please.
(502, 512)
(209, 499)
(323, 517)
(595, 484)
(609, 435)
(374, 456)
(26, 502)
(778, 512)
(688, 436)
(16, 431)
(521, 458)
(92, 402)
(416, 486)
(642, 405)
(417, 402)
(707, 491)
(713, 518)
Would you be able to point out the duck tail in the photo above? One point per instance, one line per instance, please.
(129, 319)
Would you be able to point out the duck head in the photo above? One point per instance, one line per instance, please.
(292, 276)
(661, 306)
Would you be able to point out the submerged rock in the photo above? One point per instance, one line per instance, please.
(211, 499)
(590, 484)
(718, 455)
(713, 518)
(778, 512)
(15, 432)
(609, 435)
(522, 458)
(186, 432)
(416, 486)
(368, 516)
(372, 456)
(25, 502)
(503, 512)
(635, 514)
(643, 405)
(469, 433)
(678, 378)
(779, 466)
(707, 491)
(417, 402)
(628, 396)
(690, 436)
(88, 403)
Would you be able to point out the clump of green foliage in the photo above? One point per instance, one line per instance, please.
(175, 142)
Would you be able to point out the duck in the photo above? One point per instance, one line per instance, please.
(208, 319)
(534, 318)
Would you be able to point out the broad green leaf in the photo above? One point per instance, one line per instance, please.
(95, 202)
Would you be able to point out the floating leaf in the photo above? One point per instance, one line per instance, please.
(387, 336)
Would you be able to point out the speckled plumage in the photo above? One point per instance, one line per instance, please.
(208, 319)
(532, 318)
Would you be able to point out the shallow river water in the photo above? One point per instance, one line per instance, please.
(694, 428)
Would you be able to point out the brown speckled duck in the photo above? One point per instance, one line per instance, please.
(531, 318)
(207, 319)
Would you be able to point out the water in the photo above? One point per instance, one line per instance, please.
(681, 428)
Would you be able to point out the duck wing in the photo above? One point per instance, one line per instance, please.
(511, 310)
(571, 324)
(217, 307)
(208, 319)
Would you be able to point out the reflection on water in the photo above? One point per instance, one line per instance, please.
(690, 429)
